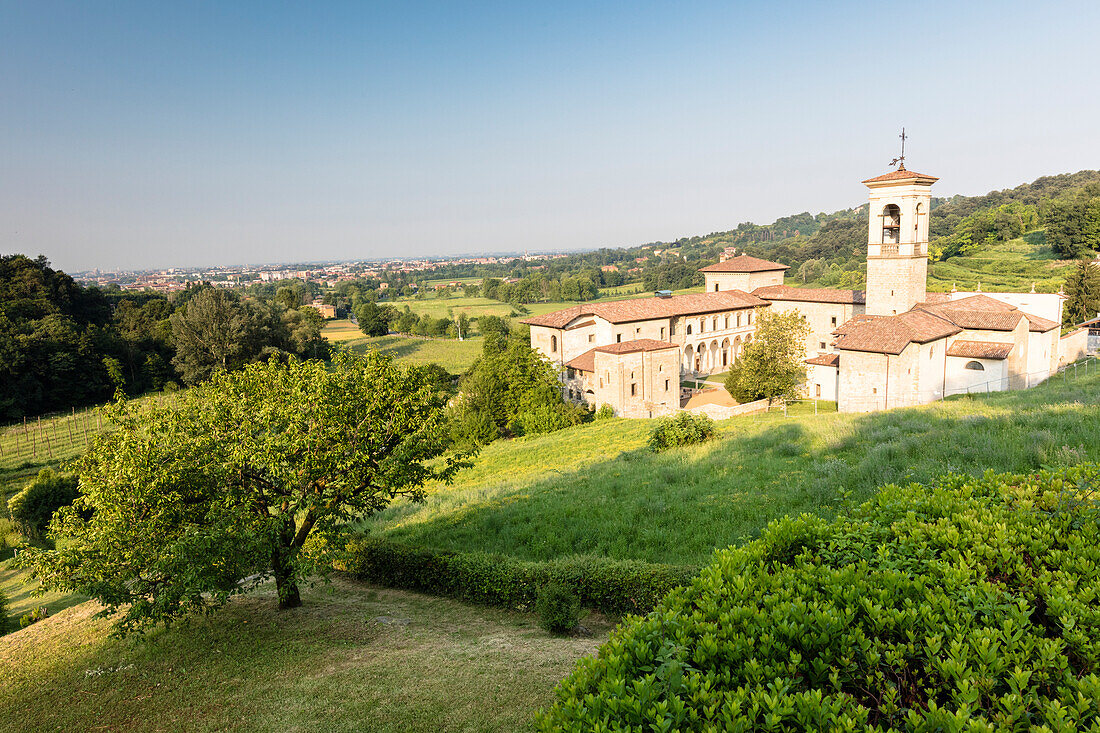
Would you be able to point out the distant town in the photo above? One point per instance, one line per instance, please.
(327, 274)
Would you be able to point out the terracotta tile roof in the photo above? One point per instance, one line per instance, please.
(586, 362)
(744, 263)
(979, 350)
(931, 298)
(810, 295)
(644, 309)
(901, 175)
(985, 313)
(1040, 324)
(929, 321)
(891, 334)
(831, 360)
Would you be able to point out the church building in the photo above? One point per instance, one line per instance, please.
(892, 345)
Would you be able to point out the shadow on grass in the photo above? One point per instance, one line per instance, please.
(679, 505)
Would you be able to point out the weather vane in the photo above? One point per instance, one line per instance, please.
(900, 161)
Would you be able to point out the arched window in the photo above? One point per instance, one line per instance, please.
(689, 329)
(975, 365)
(553, 344)
(891, 224)
(702, 325)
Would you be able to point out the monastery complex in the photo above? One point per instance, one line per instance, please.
(893, 345)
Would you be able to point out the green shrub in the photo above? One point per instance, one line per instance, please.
(33, 616)
(971, 604)
(683, 429)
(558, 607)
(606, 412)
(33, 507)
(610, 586)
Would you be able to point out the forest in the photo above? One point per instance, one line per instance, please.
(63, 345)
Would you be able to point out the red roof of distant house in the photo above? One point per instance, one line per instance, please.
(810, 295)
(901, 175)
(979, 350)
(586, 362)
(644, 309)
(744, 263)
(629, 347)
(831, 360)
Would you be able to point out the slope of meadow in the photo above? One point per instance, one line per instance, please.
(1006, 266)
(596, 490)
(352, 658)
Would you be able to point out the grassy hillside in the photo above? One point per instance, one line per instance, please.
(596, 490)
(454, 355)
(443, 666)
(1009, 266)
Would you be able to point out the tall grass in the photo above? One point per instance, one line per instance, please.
(595, 490)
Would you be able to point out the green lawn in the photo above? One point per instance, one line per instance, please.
(454, 355)
(329, 666)
(596, 490)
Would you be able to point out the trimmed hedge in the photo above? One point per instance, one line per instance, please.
(971, 604)
(611, 586)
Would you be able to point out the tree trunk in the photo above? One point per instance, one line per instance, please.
(286, 583)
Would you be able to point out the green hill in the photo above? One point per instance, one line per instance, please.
(596, 490)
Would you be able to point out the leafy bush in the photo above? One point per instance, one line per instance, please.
(33, 507)
(610, 586)
(558, 607)
(971, 604)
(33, 616)
(683, 429)
(606, 412)
(546, 419)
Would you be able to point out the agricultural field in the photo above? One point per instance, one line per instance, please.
(1010, 266)
(453, 355)
(597, 490)
(430, 664)
(339, 331)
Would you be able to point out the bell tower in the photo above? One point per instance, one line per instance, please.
(897, 241)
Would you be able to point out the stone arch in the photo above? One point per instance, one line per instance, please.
(726, 358)
(713, 357)
(891, 224)
(689, 358)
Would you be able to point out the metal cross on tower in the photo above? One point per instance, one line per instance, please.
(900, 161)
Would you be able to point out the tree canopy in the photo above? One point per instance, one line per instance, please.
(252, 474)
(772, 365)
(1082, 294)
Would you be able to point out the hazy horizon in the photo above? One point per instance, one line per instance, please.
(216, 135)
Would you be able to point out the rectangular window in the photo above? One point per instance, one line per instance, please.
(818, 391)
(633, 390)
(739, 320)
(618, 338)
(662, 333)
(821, 345)
(833, 321)
(591, 337)
(666, 385)
(638, 330)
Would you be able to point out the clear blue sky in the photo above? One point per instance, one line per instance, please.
(140, 134)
